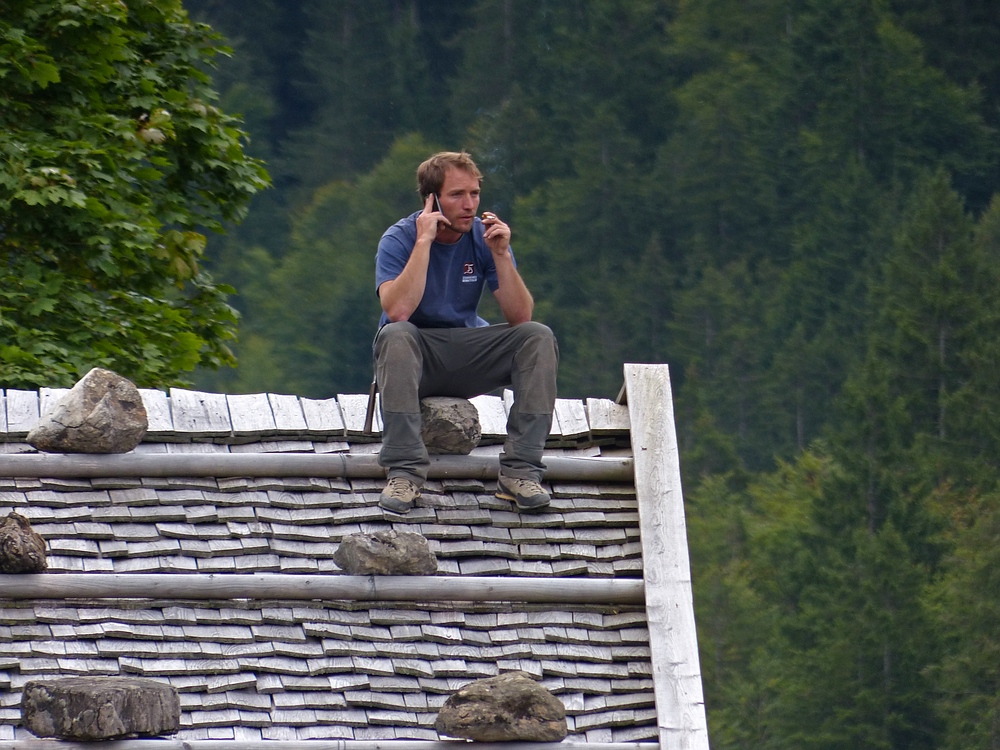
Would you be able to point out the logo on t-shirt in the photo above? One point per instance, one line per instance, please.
(469, 273)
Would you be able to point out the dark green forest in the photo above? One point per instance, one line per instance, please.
(793, 204)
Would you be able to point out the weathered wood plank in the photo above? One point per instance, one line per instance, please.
(197, 413)
(49, 397)
(606, 417)
(157, 412)
(508, 402)
(354, 407)
(492, 416)
(250, 414)
(288, 416)
(572, 418)
(323, 417)
(22, 412)
(673, 641)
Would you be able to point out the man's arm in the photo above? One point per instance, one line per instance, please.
(401, 296)
(513, 296)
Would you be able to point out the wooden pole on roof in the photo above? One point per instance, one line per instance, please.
(320, 587)
(82, 466)
(168, 744)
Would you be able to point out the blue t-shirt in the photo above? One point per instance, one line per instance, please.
(456, 274)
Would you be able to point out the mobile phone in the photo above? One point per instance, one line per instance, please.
(437, 204)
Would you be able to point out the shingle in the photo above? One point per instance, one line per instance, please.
(603, 734)
(219, 633)
(338, 682)
(136, 532)
(154, 548)
(372, 699)
(464, 516)
(485, 567)
(402, 718)
(326, 630)
(372, 666)
(444, 531)
(446, 667)
(272, 632)
(269, 683)
(283, 734)
(277, 664)
(161, 515)
(65, 564)
(339, 732)
(537, 568)
(374, 733)
(413, 667)
(349, 617)
(394, 684)
(244, 650)
(240, 681)
(625, 619)
(221, 718)
(30, 632)
(326, 665)
(193, 531)
(306, 650)
(539, 551)
(348, 648)
(298, 565)
(635, 733)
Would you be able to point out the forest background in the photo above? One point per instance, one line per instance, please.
(790, 203)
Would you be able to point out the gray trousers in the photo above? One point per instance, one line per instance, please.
(412, 363)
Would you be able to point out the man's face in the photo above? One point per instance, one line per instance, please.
(459, 199)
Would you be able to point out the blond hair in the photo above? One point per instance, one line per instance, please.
(430, 174)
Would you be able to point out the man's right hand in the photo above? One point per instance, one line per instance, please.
(428, 219)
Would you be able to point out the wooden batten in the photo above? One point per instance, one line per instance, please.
(673, 640)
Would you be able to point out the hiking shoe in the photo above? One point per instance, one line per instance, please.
(527, 494)
(399, 495)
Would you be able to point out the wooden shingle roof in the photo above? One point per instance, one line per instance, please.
(187, 561)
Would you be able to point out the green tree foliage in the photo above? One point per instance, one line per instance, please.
(113, 160)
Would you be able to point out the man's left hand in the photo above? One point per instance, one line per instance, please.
(496, 233)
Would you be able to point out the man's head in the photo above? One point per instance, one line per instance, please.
(430, 174)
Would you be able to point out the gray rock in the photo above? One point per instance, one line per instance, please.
(22, 549)
(509, 707)
(450, 425)
(386, 553)
(102, 413)
(100, 708)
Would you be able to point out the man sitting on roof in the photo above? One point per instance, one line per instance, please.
(430, 271)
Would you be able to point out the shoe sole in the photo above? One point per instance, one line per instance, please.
(397, 506)
(524, 508)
